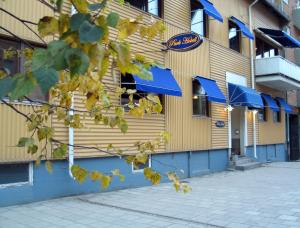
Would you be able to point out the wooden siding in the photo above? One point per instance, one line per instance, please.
(13, 127)
(30, 10)
(187, 132)
(270, 132)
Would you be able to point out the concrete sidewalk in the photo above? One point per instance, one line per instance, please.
(264, 197)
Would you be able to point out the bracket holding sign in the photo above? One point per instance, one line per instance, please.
(184, 42)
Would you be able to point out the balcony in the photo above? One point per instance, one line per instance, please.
(278, 73)
(278, 7)
(296, 17)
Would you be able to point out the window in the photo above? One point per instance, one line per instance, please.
(277, 115)
(128, 82)
(234, 36)
(286, 1)
(263, 113)
(151, 6)
(200, 102)
(141, 167)
(16, 64)
(199, 20)
(11, 65)
(11, 174)
(265, 50)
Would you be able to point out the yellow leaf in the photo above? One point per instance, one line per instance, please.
(96, 176)
(48, 166)
(105, 181)
(80, 5)
(155, 178)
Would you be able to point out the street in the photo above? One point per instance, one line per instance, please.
(263, 197)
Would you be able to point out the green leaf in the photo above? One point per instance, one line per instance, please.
(6, 85)
(23, 86)
(89, 33)
(77, 20)
(25, 142)
(78, 61)
(57, 50)
(32, 149)
(81, 5)
(46, 78)
(60, 152)
(40, 58)
(113, 19)
(123, 126)
(49, 167)
(59, 4)
(48, 26)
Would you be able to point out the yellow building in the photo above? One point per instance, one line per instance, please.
(233, 91)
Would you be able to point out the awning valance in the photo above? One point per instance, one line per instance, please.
(284, 105)
(281, 37)
(163, 82)
(210, 10)
(244, 29)
(270, 102)
(244, 96)
(211, 89)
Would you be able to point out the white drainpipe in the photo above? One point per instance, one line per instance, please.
(252, 75)
(71, 140)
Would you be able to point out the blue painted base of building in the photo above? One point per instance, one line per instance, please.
(59, 184)
(269, 153)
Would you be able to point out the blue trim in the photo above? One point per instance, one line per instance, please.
(281, 37)
(284, 105)
(244, 29)
(268, 153)
(210, 10)
(163, 82)
(59, 183)
(212, 90)
(271, 103)
(244, 96)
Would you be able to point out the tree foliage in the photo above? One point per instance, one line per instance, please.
(75, 62)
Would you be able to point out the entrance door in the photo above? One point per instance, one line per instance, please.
(294, 138)
(237, 131)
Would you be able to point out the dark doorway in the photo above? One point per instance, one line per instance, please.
(294, 137)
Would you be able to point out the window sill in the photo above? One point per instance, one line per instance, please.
(201, 117)
(19, 184)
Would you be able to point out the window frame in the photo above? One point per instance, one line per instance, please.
(149, 165)
(18, 184)
(205, 21)
(277, 116)
(263, 44)
(200, 96)
(146, 2)
(231, 24)
(264, 112)
(20, 64)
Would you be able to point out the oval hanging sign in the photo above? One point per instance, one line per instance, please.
(184, 42)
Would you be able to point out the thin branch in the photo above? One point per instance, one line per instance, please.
(48, 5)
(24, 22)
(16, 36)
(16, 110)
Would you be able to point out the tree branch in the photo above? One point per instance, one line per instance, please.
(48, 5)
(24, 22)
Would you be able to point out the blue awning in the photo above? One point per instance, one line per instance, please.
(163, 82)
(244, 29)
(212, 90)
(244, 96)
(284, 105)
(281, 37)
(210, 10)
(271, 103)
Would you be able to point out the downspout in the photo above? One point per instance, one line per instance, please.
(252, 75)
(71, 140)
